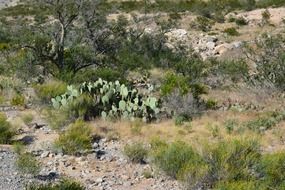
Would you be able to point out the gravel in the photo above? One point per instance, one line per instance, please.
(10, 179)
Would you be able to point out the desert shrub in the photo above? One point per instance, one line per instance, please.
(174, 82)
(268, 3)
(266, 122)
(61, 185)
(9, 83)
(49, 90)
(175, 16)
(174, 157)
(240, 185)
(180, 119)
(76, 139)
(241, 21)
(185, 106)
(231, 125)
(202, 23)
(231, 31)
(232, 160)
(17, 100)
(57, 119)
(27, 118)
(231, 19)
(83, 107)
(235, 70)
(136, 152)
(27, 164)
(6, 130)
(273, 170)
(266, 16)
(268, 54)
(107, 73)
(211, 104)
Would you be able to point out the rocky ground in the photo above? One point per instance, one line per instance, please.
(10, 179)
(103, 168)
(6, 3)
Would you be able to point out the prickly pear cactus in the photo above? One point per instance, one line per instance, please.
(112, 100)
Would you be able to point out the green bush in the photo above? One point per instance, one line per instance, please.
(232, 160)
(108, 74)
(62, 185)
(266, 122)
(136, 152)
(273, 170)
(240, 185)
(28, 164)
(235, 70)
(76, 139)
(211, 104)
(57, 119)
(173, 158)
(17, 100)
(202, 23)
(241, 21)
(231, 31)
(49, 90)
(231, 125)
(6, 130)
(174, 82)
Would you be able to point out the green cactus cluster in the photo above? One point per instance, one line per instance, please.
(113, 100)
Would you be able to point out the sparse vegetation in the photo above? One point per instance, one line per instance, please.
(6, 130)
(136, 152)
(95, 79)
(62, 185)
(231, 31)
(27, 118)
(76, 139)
(28, 164)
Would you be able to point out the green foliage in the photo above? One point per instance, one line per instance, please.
(174, 157)
(266, 16)
(76, 139)
(240, 185)
(109, 100)
(235, 70)
(181, 119)
(136, 152)
(266, 122)
(19, 148)
(28, 164)
(57, 119)
(6, 130)
(174, 82)
(211, 104)
(269, 57)
(17, 100)
(108, 74)
(231, 31)
(273, 169)
(202, 23)
(61, 185)
(269, 3)
(49, 90)
(241, 21)
(233, 160)
(231, 125)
